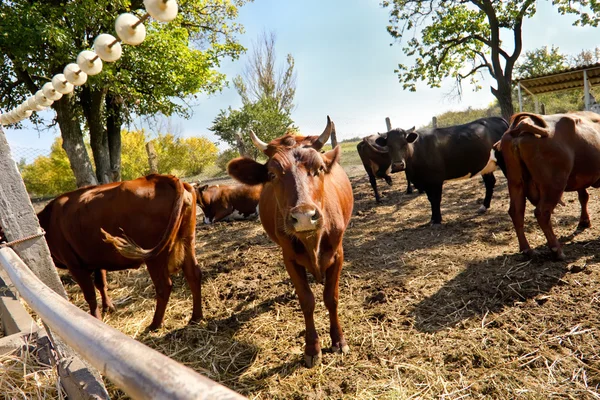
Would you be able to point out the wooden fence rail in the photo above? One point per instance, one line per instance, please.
(138, 370)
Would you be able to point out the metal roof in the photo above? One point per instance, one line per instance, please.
(571, 78)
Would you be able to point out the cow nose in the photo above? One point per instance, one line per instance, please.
(399, 166)
(304, 218)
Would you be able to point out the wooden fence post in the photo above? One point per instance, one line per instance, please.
(434, 122)
(388, 123)
(18, 220)
(152, 157)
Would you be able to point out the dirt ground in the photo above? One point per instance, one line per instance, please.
(446, 312)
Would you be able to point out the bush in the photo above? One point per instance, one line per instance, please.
(225, 157)
(51, 175)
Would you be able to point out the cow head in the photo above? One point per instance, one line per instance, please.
(398, 143)
(204, 198)
(296, 171)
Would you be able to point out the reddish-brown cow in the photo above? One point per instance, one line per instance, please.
(305, 207)
(222, 202)
(157, 212)
(546, 156)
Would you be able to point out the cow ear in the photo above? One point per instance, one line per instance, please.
(411, 130)
(381, 140)
(331, 157)
(247, 171)
(202, 188)
(412, 136)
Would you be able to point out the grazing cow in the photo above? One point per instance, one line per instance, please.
(305, 207)
(224, 202)
(156, 212)
(432, 156)
(377, 163)
(546, 155)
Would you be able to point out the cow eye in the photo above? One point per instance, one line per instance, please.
(271, 175)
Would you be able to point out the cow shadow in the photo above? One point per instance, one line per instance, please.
(490, 285)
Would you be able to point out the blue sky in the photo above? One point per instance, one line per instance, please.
(345, 65)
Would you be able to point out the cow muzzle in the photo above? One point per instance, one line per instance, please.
(304, 218)
(399, 166)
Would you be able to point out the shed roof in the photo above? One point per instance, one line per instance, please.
(571, 78)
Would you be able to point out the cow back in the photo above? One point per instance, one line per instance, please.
(141, 209)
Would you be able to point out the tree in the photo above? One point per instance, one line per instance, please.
(267, 95)
(177, 60)
(460, 39)
(541, 61)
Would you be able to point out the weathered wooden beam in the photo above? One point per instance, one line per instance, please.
(388, 124)
(19, 220)
(138, 370)
(152, 158)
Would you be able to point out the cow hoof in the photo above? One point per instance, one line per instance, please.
(313, 361)
(109, 308)
(583, 225)
(345, 349)
(152, 328)
(528, 253)
(435, 225)
(558, 254)
(482, 210)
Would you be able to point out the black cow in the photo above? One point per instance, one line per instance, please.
(377, 162)
(432, 156)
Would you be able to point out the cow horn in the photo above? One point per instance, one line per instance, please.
(262, 146)
(327, 132)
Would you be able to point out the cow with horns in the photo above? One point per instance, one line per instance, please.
(156, 212)
(305, 207)
(544, 156)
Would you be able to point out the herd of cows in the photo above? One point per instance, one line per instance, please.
(304, 200)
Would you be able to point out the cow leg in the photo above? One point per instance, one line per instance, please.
(490, 181)
(434, 194)
(543, 212)
(102, 286)
(330, 297)
(159, 273)
(516, 211)
(193, 276)
(373, 182)
(584, 219)
(312, 351)
(409, 188)
(83, 278)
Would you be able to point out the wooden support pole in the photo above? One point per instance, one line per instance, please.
(388, 124)
(520, 97)
(586, 91)
(19, 220)
(434, 122)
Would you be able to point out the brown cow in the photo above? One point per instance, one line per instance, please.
(305, 207)
(377, 162)
(156, 212)
(546, 156)
(223, 202)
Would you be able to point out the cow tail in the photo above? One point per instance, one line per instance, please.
(127, 247)
(534, 124)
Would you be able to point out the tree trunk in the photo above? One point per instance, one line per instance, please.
(240, 144)
(73, 142)
(93, 102)
(152, 158)
(504, 96)
(114, 121)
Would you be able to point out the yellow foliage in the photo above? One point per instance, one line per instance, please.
(182, 157)
(49, 175)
